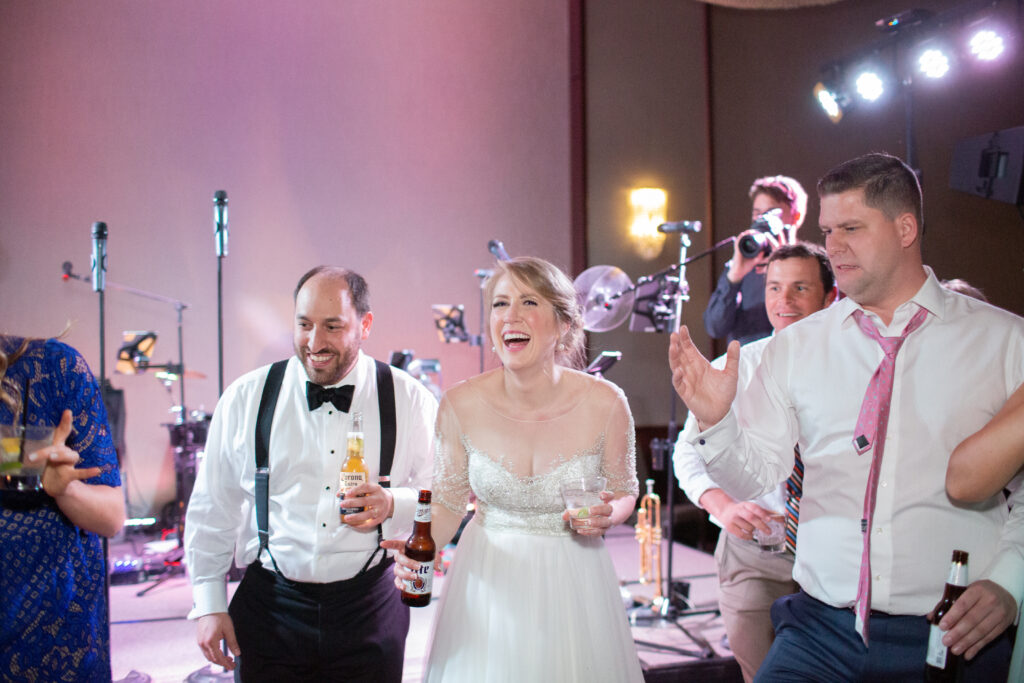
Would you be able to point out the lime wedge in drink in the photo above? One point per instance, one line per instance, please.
(583, 513)
(11, 445)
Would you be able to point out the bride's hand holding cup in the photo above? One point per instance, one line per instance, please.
(586, 505)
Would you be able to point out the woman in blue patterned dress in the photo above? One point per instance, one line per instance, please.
(53, 612)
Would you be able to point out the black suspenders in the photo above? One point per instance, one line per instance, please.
(264, 418)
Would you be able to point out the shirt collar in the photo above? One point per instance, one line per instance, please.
(932, 296)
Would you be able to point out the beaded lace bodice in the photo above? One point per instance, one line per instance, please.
(514, 466)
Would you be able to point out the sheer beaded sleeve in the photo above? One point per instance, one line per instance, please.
(619, 462)
(451, 470)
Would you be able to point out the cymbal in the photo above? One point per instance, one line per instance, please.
(595, 288)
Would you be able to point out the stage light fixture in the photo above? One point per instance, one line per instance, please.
(986, 45)
(833, 100)
(933, 63)
(870, 85)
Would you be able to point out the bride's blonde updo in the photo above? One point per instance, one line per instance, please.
(556, 288)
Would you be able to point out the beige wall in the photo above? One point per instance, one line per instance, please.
(394, 137)
(646, 126)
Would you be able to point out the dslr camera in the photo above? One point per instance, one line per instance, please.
(754, 243)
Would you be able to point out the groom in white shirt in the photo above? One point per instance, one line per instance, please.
(317, 601)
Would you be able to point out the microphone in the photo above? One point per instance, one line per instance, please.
(498, 249)
(99, 256)
(689, 227)
(220, 223)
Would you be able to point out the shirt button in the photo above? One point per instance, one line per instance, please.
(330, 412)
(702, 442)
(878, 577)
(327, 488)
(324, 524)
(883, 484)
(878, 529)
(332, 451)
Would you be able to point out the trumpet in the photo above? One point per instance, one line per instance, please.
(648, 535)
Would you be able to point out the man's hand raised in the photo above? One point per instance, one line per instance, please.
(708, 393)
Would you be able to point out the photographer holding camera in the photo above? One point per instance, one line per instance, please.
(736, 308)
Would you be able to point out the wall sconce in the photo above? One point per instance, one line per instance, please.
(648, 212)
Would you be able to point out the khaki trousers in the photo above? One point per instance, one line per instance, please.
(749, 582)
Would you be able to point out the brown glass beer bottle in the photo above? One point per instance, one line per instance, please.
(940, 664)
(420, 547)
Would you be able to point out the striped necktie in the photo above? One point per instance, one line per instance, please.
(794, 489)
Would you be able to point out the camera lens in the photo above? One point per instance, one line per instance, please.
(754, 243)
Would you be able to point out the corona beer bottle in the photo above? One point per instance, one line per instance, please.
(353, 470)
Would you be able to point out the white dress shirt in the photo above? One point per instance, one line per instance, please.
(306, 451)
(691, 471)
(951, 377)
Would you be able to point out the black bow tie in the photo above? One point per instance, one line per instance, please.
(341, 397)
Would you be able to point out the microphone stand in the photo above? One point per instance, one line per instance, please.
(99, 267)
(677, 289)
(681, 267)
(220, 327)
(220, 230)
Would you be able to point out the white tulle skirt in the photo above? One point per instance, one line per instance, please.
(521, 607)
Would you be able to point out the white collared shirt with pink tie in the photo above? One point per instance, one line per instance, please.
(951, 376)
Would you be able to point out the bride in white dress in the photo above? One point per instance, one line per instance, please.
(527, 598)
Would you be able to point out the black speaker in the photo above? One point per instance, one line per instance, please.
(990, 166)
(113, 400)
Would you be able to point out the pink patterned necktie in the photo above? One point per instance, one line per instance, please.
(871, 427)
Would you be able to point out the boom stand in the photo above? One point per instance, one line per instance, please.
(172, 563)
(665, 315)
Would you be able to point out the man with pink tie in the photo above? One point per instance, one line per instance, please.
(901, 365)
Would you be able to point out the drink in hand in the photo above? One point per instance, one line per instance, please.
(17, 473)
(420, 547)
(353, 470)
(775, 540)
(579, 494)
(940, 663)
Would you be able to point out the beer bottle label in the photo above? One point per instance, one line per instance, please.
(350, 480)
(423, 582)
(422, 513)
(936, 650)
